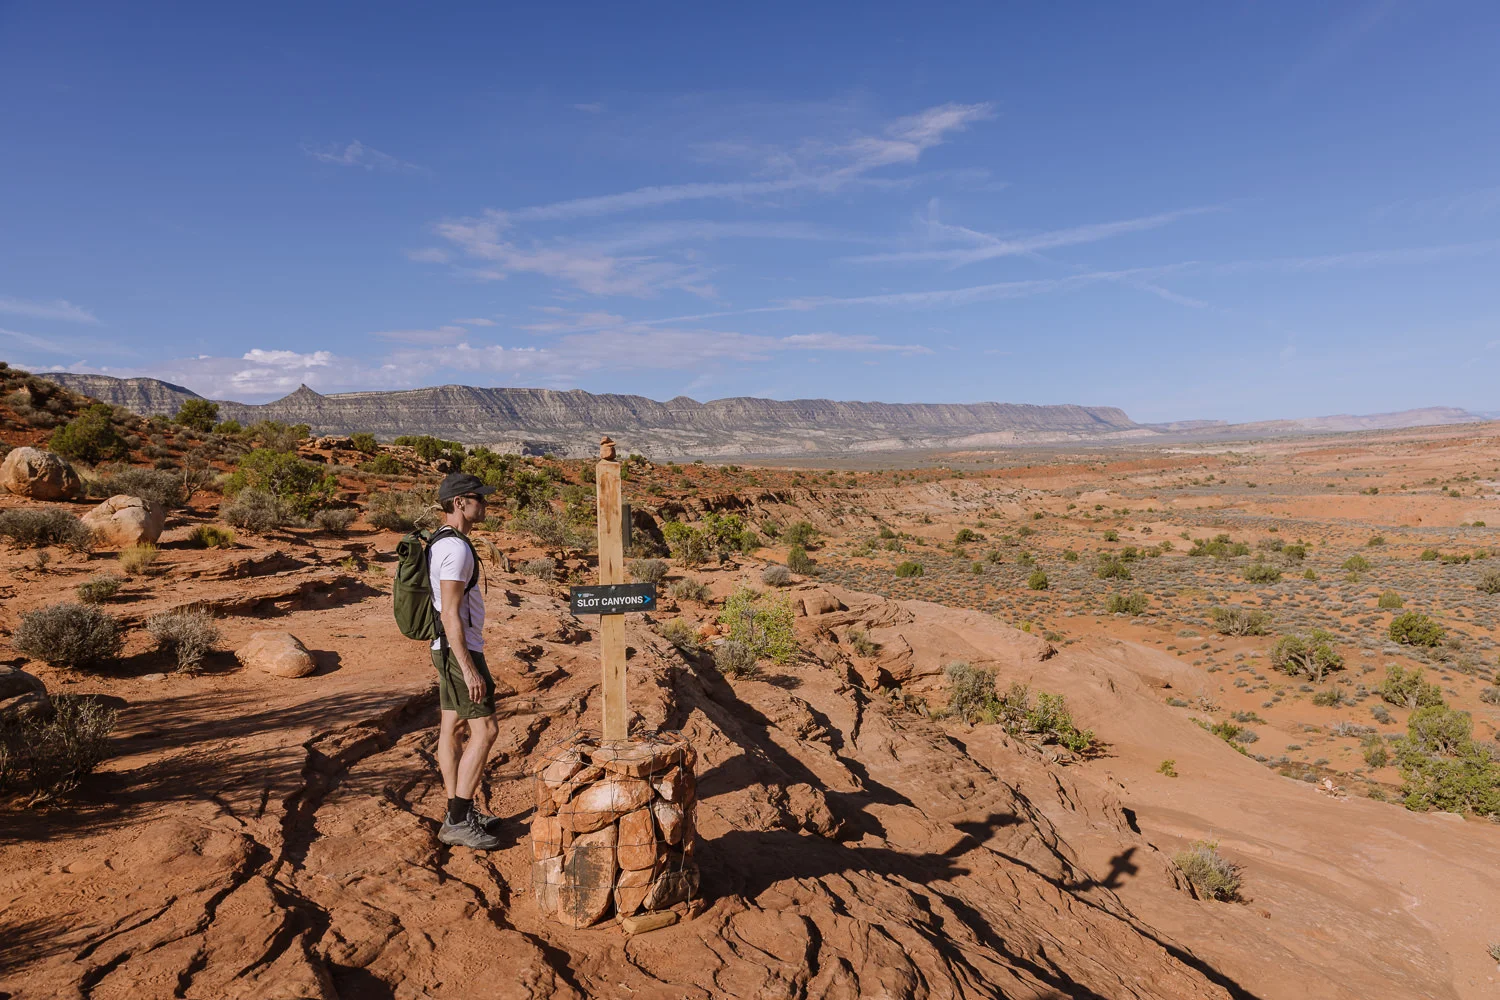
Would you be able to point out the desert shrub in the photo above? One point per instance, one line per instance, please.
(1037, 581)
(1262, 573)
(1490, 695)
(861, 643)
(1489, 583)
(1408, 689)
(1413, 628)
(209, 536)
(1211, 874)
(1167, 767)
(1356, 564)
(228, 427)
(99, 587)
(800, 533)
(137, 559)
(1219, 547)
(1111, 535)
(1294, 553)
(761, 622)
(29, 529)
(402, 510)
(689, 545)
(46, 758)
(771, 529)
(256, 511)
(1443, 767)
(908, 569)
(1134, 603)
(90, 437)
(1112, 569)
(1374, 751)
(1309, 656)
(165, 488)
(971, 693)
(680, 633)
(431, 449)
(550, 529)
(381, 465)
(648, 570)
(1330, 697)
(798, 561)
(775, 575)
(539, 569)
(189, 635)
(1235, 620)
(688, 589)
(364, 442)
(335, 521)
(967, 535)
(69, 635)
(1389, 599)
(199, 414)
(1068, 555)
(300, 486)
(736, 659)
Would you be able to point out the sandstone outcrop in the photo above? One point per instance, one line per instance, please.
(39, 475)
(22, 695)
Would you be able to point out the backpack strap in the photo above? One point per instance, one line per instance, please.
(448, 531)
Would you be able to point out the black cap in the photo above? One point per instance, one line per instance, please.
(462, 484)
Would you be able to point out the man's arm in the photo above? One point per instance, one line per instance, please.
(453, 628)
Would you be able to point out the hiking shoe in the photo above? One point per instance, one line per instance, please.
(468, 833)
(489, 824)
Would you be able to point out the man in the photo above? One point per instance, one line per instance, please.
(466, 691)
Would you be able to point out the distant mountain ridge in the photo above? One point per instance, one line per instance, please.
(569, 422)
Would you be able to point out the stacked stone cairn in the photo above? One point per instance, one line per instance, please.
(613, 829)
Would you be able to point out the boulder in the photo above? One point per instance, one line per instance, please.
(639, 760)
(669, 820)
(40, 475)
(603, 802)
(588, 878)
(546, 883)
(546, 838)
(628, 899)
(637, 841)
(125, 520)
(546, 805)
(671, 888)
(22, 696)
(820, 602)
(278, 653)
(567, 764)
(674, 784)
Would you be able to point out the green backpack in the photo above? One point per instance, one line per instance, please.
(412, 591)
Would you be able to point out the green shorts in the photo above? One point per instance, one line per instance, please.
(453, 693)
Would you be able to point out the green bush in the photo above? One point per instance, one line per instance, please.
(1429, 555)
(99, 587)
(1389, 599)
(909, 569)
(798, 561)
(1068, 556)
(160, 487)
(138, 559)
(967, 535)
(1111, 535)
(1262, 573)
(300, 486)
(228, 427)
(1112, 569)
(1415, 629)
(1134, 603)
(46, 758)
(1443, 767)
(29, 528)
(402, 510)
(1037, 581)
(972, 697)
(681, 633)
(69, 635)
(90, 437)
(208, 536)
(689, 544)
(861, 643)
(381, 465)
(1375, 752)
(763, 623)
(1309, 656)
(1235, 620)
(971, 693)
(1407, 688)
(648, 570)
(800, 533)
(431, 449)
(199, 414)
(188, 635)
(256, 511)
(365, 442)
(1211, 874)
(1489, 583)
(1356, 564)
(551, 530)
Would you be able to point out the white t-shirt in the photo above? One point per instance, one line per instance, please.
(449, 559)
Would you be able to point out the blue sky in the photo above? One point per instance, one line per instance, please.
(1229, 210)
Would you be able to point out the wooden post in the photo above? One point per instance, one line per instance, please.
(611, 570)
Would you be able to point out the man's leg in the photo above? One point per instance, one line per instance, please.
(448, 751)
(482, 733)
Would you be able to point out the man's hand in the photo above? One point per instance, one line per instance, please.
(475, 684)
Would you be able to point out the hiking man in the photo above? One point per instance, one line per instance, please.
(466, 691)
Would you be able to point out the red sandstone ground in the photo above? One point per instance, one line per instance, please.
(256, 836)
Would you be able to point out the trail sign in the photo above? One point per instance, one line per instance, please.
(613, 599)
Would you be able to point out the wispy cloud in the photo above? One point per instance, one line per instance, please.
(1362, 258)
(476, 321)
(59, 309)
(357, 154)
(593, 108)
(440, 335)
(1465, 204)
(984, 246)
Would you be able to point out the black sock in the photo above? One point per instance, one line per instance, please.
(459, 809)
